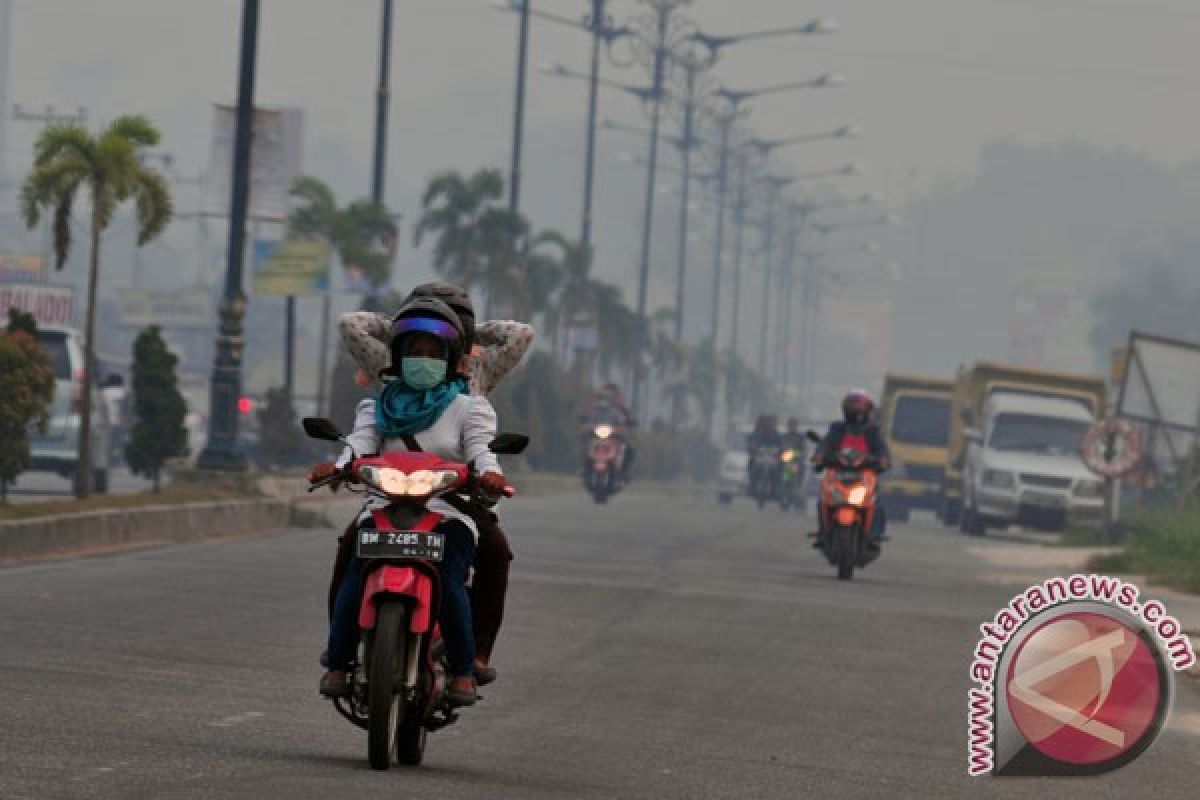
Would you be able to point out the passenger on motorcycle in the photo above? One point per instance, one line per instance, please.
(858, 431)
(424, 405)
(494, 349)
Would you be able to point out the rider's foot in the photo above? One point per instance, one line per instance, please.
(335, 684)
(461, 691)
(484, 674)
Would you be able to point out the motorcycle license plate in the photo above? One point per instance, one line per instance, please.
(401, 544)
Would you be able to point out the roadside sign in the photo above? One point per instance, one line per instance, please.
(50, 305)
(1112, 447)
(293, 267)
(21, 268)
(190, 308)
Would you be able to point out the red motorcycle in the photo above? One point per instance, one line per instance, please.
(398, 683)
(848, 505)
(605, 460)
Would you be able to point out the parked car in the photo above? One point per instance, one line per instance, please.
(57, 448)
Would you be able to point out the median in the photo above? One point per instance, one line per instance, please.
(196, 507)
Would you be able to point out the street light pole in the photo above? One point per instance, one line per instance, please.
(739, 230)
(514, 179)
(725, 123)
(663, 13)
(382, 97)
(597, 25)
(774, 186)
(223, 450)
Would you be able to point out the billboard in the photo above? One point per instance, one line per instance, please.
(189, 308)
(50, 305)
(21, 268)
(293, 267)
(277, 143)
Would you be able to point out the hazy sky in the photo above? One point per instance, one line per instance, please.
(929, 80)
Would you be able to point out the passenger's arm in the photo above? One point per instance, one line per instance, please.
(366, 335)
(503, 343)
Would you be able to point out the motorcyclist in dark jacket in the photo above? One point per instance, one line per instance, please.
(857, 430)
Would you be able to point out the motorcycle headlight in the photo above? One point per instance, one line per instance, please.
(999, 479)
(603, 431)
(857, 496)
(788, 456)
(396, 483)
(1089, 489)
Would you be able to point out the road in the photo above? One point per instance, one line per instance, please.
(659, 647)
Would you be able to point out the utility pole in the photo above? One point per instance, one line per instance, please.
(739, 229)
(382, 98)
(725, 124)
(223, 450)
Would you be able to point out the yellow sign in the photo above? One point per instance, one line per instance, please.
(20, 268)
(293, 267)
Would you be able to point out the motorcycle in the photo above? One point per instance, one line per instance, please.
(848, 505)
(791, 479)
(764, 474)
(398, 683)
(605, 460)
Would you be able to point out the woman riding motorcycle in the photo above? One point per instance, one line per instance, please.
(493, 349)
(423, 406)
(857, 431)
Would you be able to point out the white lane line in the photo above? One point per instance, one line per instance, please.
(237, 719)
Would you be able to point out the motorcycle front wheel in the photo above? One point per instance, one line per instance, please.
(845, 548)
(385, 702)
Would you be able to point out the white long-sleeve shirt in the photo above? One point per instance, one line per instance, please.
(461, 434)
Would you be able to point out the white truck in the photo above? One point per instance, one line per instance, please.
(1024, 465)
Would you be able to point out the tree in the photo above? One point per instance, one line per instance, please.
(68, 159)
(159, 408)
(362, 232)
(478, 239)
(26, 393)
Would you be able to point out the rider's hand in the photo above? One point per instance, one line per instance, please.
(326, 469)
(493, 483)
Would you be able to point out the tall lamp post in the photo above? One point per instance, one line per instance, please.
(223, 450)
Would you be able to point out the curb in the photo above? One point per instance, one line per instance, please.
(111, 530)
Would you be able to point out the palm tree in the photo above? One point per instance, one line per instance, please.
(478, 238)
(575, 295)
(67, 159)
(362, 232)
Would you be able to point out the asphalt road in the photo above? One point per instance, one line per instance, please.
(660, 647)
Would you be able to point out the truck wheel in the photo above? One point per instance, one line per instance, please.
(100, 481)
(950, 513)
(725, 498)
(972, 522)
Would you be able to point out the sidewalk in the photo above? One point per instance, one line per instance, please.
(1017, 561)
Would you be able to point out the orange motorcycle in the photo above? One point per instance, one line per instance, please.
(849, 503)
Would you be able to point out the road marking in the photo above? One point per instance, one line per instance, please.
(237, 719)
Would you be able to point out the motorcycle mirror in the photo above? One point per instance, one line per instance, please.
(509, 444)
(320, 428)
(813, 437)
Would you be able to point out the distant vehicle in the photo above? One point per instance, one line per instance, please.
(1026, 465)
(1013, 454)
(57, 449)
(915, 421)
(734, 477)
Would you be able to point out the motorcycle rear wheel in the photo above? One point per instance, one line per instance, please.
(385, 703)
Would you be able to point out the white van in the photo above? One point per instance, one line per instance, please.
(57, 448)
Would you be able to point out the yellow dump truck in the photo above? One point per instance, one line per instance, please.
(1013, 450)
(915, 420)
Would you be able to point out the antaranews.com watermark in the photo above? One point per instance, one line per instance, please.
(1073, 677)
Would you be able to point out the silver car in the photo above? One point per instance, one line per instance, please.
(57, 448)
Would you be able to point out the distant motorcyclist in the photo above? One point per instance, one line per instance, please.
(857, 431)
(794, 438)
(764, 445)
(607, 407)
